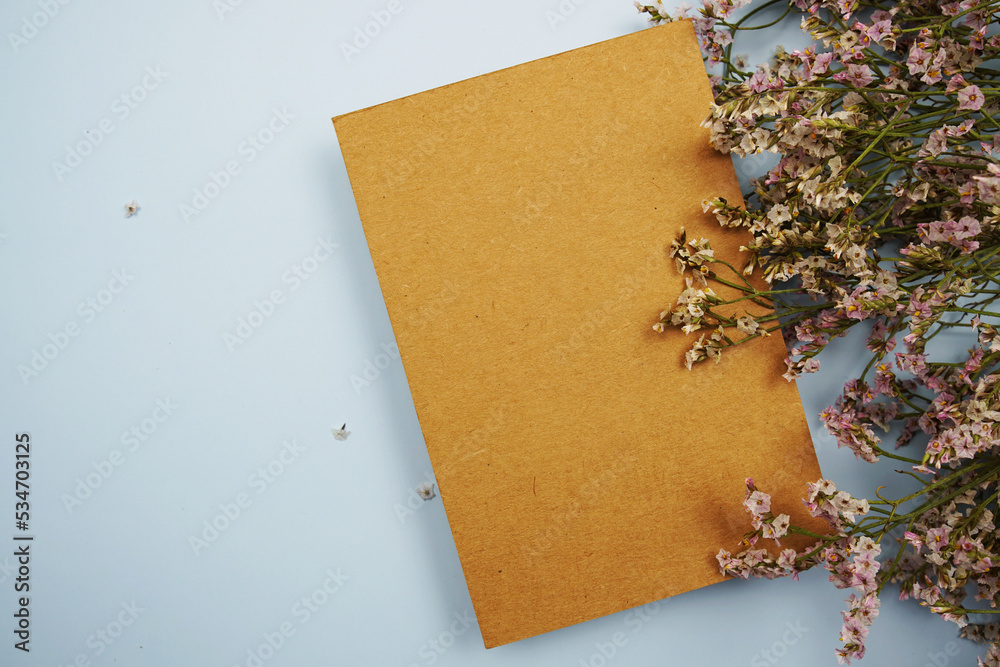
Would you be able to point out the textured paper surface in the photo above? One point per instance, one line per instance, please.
(518, 223)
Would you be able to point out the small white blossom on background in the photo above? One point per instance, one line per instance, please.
(426, 491)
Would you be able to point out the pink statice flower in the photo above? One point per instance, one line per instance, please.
(882, 210)
(958, 233)
(971, 98)
(858, 76)
(919, 60)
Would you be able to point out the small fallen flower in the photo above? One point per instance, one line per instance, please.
(131, 208)
(426, 491)
(341, 433)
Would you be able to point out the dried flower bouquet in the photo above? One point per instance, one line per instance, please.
(883, 212)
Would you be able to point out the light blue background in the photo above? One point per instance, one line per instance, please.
(335, 506)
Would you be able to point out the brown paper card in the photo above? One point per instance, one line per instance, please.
(518, 222)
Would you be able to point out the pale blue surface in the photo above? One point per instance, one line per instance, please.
(330, 506)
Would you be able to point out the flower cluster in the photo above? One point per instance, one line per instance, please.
(765, 523)
(851, 560)
(882, 212)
